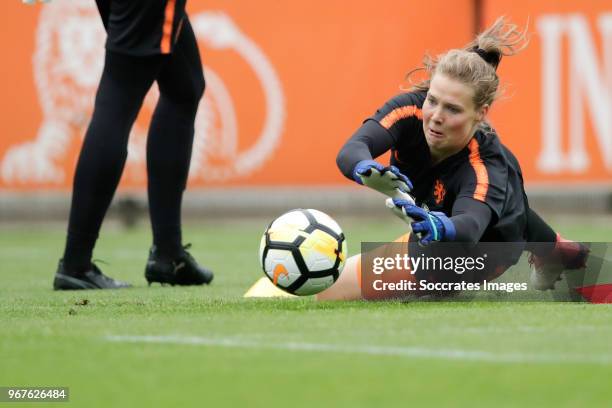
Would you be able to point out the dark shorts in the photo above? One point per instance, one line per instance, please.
(142, 27)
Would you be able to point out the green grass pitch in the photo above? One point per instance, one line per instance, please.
(209, 347)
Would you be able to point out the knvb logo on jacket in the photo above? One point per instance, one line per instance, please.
(439, 192)
(67, 64)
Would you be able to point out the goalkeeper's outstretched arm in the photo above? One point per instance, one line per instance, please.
(369, 141)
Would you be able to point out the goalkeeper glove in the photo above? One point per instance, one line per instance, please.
(387, 180)
(428, 225)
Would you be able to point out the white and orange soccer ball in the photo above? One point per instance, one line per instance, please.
(303, 252)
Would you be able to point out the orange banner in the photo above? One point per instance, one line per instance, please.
(287, 84)
(557, 117)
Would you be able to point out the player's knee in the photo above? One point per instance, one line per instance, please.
(187, 94)
(191, 96)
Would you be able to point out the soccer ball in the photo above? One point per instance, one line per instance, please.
(303, 252)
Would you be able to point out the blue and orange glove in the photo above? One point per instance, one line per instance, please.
(428, 225)
(387, 180)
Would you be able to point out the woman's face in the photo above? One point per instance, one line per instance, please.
(449, 116)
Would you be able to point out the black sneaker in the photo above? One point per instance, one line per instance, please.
(183, 270)
(93, 278)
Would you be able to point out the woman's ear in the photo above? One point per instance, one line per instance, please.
(482, 112)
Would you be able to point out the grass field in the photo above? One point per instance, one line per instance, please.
(208, 347)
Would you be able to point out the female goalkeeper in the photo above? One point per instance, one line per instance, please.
(467, 185)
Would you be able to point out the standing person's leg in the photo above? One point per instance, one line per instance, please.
(123, 86)
(181, 86)
(139, 33)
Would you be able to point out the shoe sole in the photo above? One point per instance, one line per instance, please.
(65, 282)
(169, 280)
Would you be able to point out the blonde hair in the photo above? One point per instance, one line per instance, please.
(476, 63)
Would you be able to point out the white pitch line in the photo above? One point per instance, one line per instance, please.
(398, 351)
